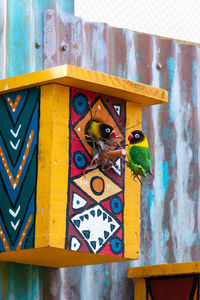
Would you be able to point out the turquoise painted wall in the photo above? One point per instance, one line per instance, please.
(21, 27)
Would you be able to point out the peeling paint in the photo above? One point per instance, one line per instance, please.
(170, 68)
(170, 206)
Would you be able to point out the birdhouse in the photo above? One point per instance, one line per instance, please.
(168, 281)
(54, 210)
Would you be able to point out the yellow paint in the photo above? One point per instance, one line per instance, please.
(164, 270)
(110, 188)
(52, 167)
(140, 290)
(88, 80)
(53, 160)
(57, 258)
(132, 193)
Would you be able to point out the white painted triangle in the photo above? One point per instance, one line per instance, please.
(118, 168)
(117, 109)
(78, 201)
(75, 244)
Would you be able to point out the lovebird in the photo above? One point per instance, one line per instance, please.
(100, 130)
(139, 154)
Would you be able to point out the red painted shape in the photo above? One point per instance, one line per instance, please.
(107, 248)
(78, 152)
(106, 205)
(173, 288)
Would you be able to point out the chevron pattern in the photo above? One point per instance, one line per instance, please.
(19, 118)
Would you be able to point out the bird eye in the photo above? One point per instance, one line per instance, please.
(137, 135)
(107, 130)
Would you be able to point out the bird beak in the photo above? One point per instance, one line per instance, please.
(113, 135)
(130, 137)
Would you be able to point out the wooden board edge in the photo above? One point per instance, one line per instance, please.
(132, 193)
(60, 165)
(164, 270)
(52, 164)
(89, 80)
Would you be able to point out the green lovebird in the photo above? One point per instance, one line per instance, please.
(138, 154)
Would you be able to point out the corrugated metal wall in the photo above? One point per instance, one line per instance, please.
(21, 27)
(170, 206)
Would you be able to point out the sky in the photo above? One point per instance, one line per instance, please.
(177, 19)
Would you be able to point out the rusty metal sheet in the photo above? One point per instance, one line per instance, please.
(170, 206)
(170, 210)
(21, 29)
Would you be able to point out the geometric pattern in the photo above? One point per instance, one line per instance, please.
(117, 109)
(19, 117)
(96, 226)
(100, 111)
(97, 185)
(95, 198)
(78, 202)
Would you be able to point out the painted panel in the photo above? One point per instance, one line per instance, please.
(96, 197)
(19, 118)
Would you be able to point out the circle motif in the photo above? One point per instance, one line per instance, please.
(80, 103)
(97, 185)
(116, 245)
(116, 205)
(80, 160)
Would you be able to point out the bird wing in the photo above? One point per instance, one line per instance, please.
(141, 156)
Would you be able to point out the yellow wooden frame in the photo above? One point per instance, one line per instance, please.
(52, 167)
(88, 80)
(164, 270)
(53, 162)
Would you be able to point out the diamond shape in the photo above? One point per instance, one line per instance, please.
(101, 114)
(96, 230)
(97, 185)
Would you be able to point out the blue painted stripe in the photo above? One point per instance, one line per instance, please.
(170, 68)
(194, 82)
(165, 176)
(18, 37)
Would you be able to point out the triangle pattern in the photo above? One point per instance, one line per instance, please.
(75, 244)
(117, 109)
(78, 201)
(117, 169)
(15, 103)
(97, 229)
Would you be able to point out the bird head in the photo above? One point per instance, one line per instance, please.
(107, 131)
(136, 136)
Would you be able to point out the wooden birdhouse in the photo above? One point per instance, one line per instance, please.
(168, 281)
(53, 210)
